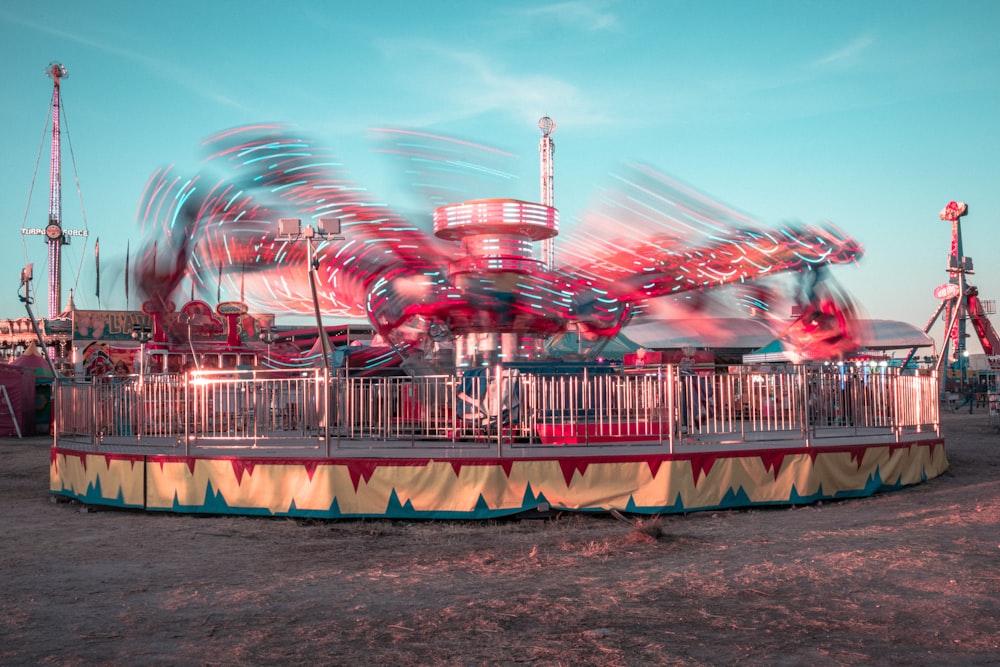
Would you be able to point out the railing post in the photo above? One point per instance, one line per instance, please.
(140, 408)
(498, 405)
(56, 412)
(187, 401)
(659, 405)
(671, 405)
(327, 421)
(412, 396)
(94, 412)
(936, 402)
(744, 385)
(452, 414)
(806, 413)
(896, 422)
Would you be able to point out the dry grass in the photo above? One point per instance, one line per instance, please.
(905, 578)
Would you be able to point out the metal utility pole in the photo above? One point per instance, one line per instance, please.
(290, 229)
(547, 150)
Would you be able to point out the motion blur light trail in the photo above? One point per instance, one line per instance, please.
(442, 170)
(475, 279)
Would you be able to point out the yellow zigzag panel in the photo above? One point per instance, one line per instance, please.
(370, 487)
(115, 479)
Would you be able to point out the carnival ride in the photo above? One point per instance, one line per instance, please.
(469, 293)
(482, 432)
(495, 434)
(959, 301)
(56, 235)
(474, 284)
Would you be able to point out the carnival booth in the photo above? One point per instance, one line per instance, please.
(37, 392)
(17, 402)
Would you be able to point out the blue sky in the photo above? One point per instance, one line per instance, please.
(872, 115)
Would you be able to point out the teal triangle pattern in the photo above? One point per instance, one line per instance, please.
(94, 495)
(872, 486)
(93, 491)
(530, 501)
(795, 498)
(397, 510)
(735, 498)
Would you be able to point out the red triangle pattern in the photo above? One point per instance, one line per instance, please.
(360, 469)
(505, 464)
(901, 445)
(701, 464)
(108, 458)
(772, 461)
(858, 455)
(189, 461)
(241, 466)
(569, 466)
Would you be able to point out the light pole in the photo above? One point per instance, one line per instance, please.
(269, 337)
(142, 333)
(290, 229)
(327, 229)
(26, 276)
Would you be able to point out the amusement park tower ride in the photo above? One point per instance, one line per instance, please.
(498, 282)
(959, 300)
(56, 236)
(547, 151)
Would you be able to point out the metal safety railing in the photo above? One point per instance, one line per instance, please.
(600, 405)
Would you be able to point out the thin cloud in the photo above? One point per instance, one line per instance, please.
(588, 16)
(165, 69)
(463, 84)
(848, 54)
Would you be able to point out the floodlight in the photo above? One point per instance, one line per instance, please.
(289, 227)
(328, 226)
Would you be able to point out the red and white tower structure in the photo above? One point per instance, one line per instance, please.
(546, 151)
(958, 267)
(54, 231)
(56, 236)
(959, 301)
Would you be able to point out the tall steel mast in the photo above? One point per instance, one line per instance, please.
(958, 267)
(53, 231)
(56, 236)
(546, 150)
(959, 301)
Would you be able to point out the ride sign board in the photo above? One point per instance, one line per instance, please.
(947, 291)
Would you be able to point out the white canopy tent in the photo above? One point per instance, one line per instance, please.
(876, 336)
(758, 338)
(700, 332)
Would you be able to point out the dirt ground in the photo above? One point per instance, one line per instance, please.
(904, 578)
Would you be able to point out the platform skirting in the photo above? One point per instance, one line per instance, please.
(423, 488)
